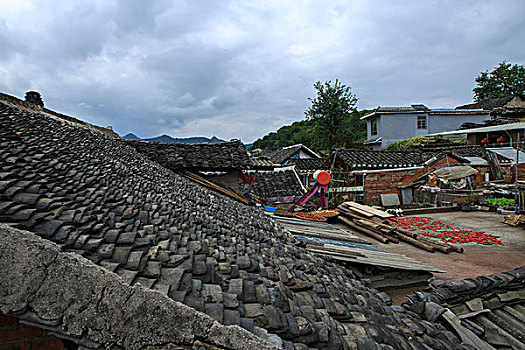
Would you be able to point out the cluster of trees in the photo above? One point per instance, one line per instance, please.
(506, 79)
(332, 121)
(312, 135)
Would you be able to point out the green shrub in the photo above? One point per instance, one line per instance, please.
(415, 141)
(501, 202)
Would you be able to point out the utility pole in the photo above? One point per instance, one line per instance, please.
(516, 194)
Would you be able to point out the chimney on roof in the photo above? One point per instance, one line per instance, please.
(420, 107)
(34, 97)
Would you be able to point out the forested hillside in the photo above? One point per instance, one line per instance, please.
(308, 133)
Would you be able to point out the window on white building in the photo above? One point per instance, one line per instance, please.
(421, 122)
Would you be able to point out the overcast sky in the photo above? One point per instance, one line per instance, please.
(240, 69)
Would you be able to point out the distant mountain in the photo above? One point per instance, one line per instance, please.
(169, 139)
(131, 136)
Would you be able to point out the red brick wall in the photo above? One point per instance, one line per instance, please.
(376, 184)
(480, 176)
(521, 172)
(16, 336)
(508, 173)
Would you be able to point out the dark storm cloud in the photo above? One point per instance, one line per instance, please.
(243, 69)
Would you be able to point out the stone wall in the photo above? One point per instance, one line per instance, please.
(69, 295)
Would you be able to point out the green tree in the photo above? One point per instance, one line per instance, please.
(504, 80)
(331, 111)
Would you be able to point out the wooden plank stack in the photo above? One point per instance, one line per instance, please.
(374, 223)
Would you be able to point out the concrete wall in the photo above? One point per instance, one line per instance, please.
(401, 126)
(398, 127)
(446, 122)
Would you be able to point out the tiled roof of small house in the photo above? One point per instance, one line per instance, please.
(369, 159)
(488, 104)
(365, 159)
(197, 156)
(307, 163)
(99, 198)
(460, 150)
(276, 184)
(280, 156)
(261, 162)
(491, 309)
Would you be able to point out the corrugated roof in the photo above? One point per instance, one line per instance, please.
(504, 127)
(509, 153)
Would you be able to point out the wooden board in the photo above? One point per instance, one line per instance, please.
(212, 185)
(368, 209)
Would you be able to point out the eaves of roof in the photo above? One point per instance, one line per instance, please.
(410, 110)
(504, 127)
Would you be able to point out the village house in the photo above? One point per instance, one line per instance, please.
(386, 125)
(365, 175)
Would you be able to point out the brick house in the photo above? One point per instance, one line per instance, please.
(364, 174)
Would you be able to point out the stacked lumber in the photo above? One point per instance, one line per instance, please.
(374, 223)
(319, 230)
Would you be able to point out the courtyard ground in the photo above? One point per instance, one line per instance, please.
(477, 259)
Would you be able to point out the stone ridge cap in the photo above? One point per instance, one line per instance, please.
(15, 102)
(83, 302)
(214, 144)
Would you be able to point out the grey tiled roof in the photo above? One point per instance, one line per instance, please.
(489, 103)
(276, 184)
(98, 197)
(462, 150)
(83, 303)
(307, 163)
(491, 307)
(198, 156)
(261, 163)
(364, 159)
(368, 159)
